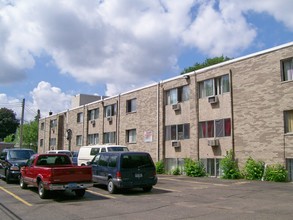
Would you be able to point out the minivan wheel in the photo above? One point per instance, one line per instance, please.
(111, 187)
(147, 188)
(7, 177)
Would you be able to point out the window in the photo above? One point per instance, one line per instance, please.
(42, 126)
(109, 138)
(110, 110)
(113, 161)
(41, 142)
(287, 69)
(176, 95)
(78, 140)
(288, 118)
(131, 136)
(177, 132)
(93, 139)
(93, 114)
(216, 128)
(53, 123)
(215, 86)
(79, 117)
(52, 142)
(131, 105)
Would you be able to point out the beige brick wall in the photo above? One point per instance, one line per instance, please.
(259, 101)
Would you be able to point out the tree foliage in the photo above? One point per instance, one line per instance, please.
(206, 63)
(8, 122)
(29, 135)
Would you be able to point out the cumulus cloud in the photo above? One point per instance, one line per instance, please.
(48, 98)
(123, 43)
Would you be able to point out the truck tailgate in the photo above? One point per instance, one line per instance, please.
(71, 174)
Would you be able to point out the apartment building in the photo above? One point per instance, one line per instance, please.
(244, 105)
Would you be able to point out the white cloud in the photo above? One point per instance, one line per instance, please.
(48, 98)
(123, 43)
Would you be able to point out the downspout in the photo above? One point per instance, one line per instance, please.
(118, 120)
(197, 115)
(103, 122)
(232, 114)
(83, 125)
(158, 121)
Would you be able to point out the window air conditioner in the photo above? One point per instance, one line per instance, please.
(213, 99)
(93, 122)
(213, 142)
(176, 107)
(175, 143)
(109, 118)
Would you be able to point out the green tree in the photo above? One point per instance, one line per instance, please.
(206, 63)
(9, 139)
(29, 135)
(8, 122)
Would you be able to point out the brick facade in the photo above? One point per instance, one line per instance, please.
(253, 107)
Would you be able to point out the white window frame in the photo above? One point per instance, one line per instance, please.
(131, 136)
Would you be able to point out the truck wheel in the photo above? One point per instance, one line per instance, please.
(22, 184)
(147, 188)
(79, 192)
(111, 187)
(43, 193)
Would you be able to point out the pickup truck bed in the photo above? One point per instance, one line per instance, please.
(55, 172)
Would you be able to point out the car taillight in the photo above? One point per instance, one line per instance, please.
(118, 175)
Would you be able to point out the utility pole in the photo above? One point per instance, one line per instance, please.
(21, 123)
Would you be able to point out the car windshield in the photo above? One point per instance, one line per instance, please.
(136, 161)
(118, 149)
(20, 154)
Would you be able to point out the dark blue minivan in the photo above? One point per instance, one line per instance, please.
(124, 170)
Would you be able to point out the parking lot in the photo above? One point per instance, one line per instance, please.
(174, 197)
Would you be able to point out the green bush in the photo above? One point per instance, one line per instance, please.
(253, 170)
(194, 168)
(229, 167)
(276, 173)
(176, 171)
(160, 167)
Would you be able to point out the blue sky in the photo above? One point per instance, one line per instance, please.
(53, 50)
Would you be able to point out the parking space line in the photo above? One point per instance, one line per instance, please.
(16, 197)
(172, 190)
(100, 194)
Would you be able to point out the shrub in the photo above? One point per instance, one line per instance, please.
(194, 168)
(160, 168)
(253, 170)
(276, 173)
(176, 171)
(229, 167)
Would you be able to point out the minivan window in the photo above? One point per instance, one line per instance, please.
(103, 149)
(94, 151)
(103, 160)
(113, 161)
(134, 161)
(118, 149)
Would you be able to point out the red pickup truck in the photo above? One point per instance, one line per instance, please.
(55, 172)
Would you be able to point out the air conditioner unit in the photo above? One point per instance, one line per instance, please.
(213, 142)
(93, 122)
(213, 99)
(176, 107)
(109, 118)
(175, 143)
